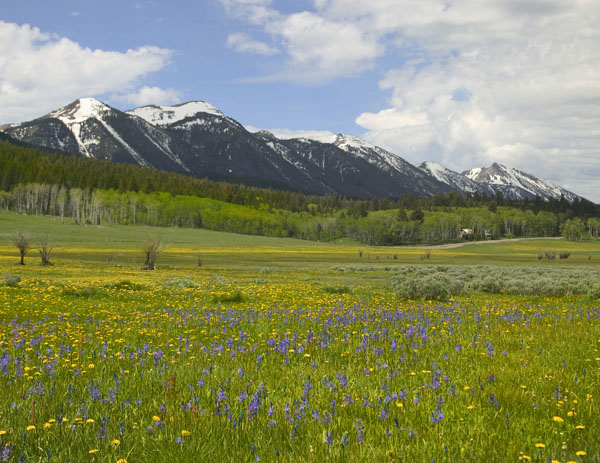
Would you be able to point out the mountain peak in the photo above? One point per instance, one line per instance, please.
(80, 110)
(166, 115)
(457, 181)
(345, 141)
(517, 184)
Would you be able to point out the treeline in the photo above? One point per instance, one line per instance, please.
(383, 227)
(20, 165)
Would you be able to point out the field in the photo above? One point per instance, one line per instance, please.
(285, 350)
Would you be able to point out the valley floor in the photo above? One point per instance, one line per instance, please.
(286, 350)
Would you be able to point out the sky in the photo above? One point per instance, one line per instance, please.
(462, 83)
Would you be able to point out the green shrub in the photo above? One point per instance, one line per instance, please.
(127, 285)
(180, 284)
(84, 293)
(337, 289)
(11, 279)
(430, 287)
(236, 296)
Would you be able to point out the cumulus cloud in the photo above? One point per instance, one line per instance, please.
(241, 42)
(150, 96)
(40, 72)
(316, 49)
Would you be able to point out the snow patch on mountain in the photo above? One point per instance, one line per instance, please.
(517, 184)
(167, 115)
(454, 179)
(80, 111)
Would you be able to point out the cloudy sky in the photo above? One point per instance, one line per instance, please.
(463, 83)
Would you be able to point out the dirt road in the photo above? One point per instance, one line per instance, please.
(464, 243)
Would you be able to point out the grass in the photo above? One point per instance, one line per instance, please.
(284, 350)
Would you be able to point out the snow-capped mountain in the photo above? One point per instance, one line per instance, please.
(455, 180)
(163, 116)
(198, 139)
(515, 184)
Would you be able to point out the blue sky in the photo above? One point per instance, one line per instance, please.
(463, 83)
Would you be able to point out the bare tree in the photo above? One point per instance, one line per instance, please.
(151, 248)
(23, 243)
(45, 249)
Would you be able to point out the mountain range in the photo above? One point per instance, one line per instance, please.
(198, 139)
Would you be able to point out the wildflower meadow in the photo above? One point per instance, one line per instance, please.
(291, 352)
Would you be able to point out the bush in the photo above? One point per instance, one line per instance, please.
(11, 279)
(180, 284)
(526, 281)
(237, 296)
(127, 285)
(430, 287)
(84, 293)
(336, 289)
(594, 291)
(265, 270)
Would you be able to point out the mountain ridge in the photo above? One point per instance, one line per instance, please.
(198, 139)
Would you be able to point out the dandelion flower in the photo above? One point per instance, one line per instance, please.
(121, 460)
(558, 419)
(47, 425)
(399, 404)
(156, 418)
(2, 432)
(581, 453)
(539, 445)
(30, 428)
(115, 442)
(93, 451)
(580, 426)
(185, 433)
(89, 421)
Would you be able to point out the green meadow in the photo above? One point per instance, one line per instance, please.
(246, 348)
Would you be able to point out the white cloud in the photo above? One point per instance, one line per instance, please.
(316, 49)
(150, 96)
(242, 43)
(40, 72)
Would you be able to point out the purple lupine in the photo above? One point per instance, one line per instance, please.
(358, 425)
(4, 363)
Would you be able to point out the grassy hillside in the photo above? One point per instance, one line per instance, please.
(121, 245)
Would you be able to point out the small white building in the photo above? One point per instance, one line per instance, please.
(465, 233)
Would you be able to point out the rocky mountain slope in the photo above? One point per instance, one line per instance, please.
(198, 139)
